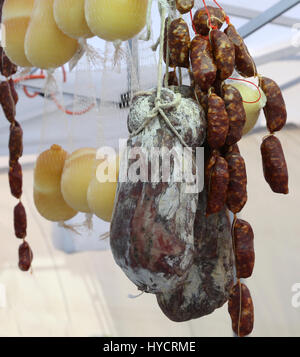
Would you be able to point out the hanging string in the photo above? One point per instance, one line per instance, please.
(207, 37)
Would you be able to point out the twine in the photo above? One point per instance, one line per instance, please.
(159, 106)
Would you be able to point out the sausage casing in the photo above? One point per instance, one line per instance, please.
(218, 180)
(224, 53)
(15, 142)
(243, 239)
(25, 256)
(20, 221)
(184, 6)
(244, 63)
(237, 188)
(275, 109)
(274, 165)
(203, 64)
(15, 179)
(217, 122)
(7, 101)
(241, 310)
(236, 113)
(201, 23)
(179, 43)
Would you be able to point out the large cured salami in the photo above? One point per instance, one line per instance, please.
(208, 284)
(152, 229)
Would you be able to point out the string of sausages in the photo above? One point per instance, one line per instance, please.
(211, 58)
(8, 101)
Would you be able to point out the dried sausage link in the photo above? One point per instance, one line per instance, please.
(201, 22)
(224, 53)
(15, 142)
(184, 6)
(7, 101)
(274, 165)
(244, 63)
(13, 91)
(275, 109)
(25, 256)
(236, 113)
(241, 310)
(237, 189)
(201, 97)
(203, 64)
(179, 43)
(7, 67)
(217, 122)
(15, 179)
(243, 240)
(20, 221)
(172, 79)
(218, 180)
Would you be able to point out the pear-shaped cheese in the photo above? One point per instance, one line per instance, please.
(70, 18)
(46, 46)
(15, 19)
(47, 194)
(101, 195)
(78, 172)
(116, 19)
(250, 94)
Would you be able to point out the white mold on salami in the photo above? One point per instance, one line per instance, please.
(152, 229)
(210, 278)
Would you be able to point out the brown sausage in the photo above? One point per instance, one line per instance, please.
(224, 53)
(13, 91)
(218, 180)
(7, 101)
(25, 256)
(15, 142)
(275, 109)
(236, 113)
(203, 65)
(217, 122)
(230, 149)
(201, 97)
(172, 79)
(184, 6)
(7, 68)
(20, 221)
(244, 63)
(237, 189)
(243, 240)
(241, 310)
(201, 22)
(15, 179)
(179, 43)
(274, 165)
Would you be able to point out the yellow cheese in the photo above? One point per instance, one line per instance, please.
(101, 195)
(15, 18)
(47, 194)
(116, 19)
(46, 46)
(70, 18)
(78, 172)
(250, 94)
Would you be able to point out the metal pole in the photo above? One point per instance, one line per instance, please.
(267, 16)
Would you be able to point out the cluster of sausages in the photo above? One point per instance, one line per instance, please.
(211, 58)
(8, 101)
